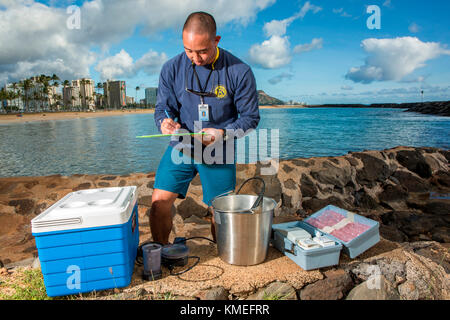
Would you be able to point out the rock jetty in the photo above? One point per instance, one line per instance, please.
(405, 189)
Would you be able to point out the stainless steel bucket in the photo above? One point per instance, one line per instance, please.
(243, 225)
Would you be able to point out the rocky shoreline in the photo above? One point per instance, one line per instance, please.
(439, 108)
(405, 189)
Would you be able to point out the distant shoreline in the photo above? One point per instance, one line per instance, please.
(435, 107)
(66, 115)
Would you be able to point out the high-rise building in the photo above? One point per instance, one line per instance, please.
(86, 92)
(80, 94)
(71, 96)
(115, 94)
(150, 96)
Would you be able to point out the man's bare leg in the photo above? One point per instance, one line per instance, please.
(161, 215)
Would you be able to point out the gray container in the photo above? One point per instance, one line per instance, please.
(306, 259)
(243, 227)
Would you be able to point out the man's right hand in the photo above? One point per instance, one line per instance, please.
(168, 126)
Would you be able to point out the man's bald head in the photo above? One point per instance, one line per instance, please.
(200, 23)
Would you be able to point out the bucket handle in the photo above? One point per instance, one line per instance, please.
(261, 193)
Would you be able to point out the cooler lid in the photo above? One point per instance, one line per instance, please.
(342, 225)
(87, 208)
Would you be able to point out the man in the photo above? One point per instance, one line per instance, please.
(204, 89)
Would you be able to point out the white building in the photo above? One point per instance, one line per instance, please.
(80, 94)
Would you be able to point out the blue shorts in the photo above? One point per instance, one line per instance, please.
(175, 177)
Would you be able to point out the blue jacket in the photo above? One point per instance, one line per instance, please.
(236, 106)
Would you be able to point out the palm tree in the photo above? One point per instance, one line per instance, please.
(73, 103)
(137, 89)
(98, 87)
(2, 97)
(27, 86)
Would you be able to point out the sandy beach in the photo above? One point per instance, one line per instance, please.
(46, 116)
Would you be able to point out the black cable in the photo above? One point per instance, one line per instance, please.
(204, 238)
(184, 271)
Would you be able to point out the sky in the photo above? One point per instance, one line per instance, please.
(315, 51)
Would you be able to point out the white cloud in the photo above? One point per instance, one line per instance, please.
(122, 65)
(276, 52)
(342, 13)
(393, 59)
(281, 77)
(271, 54)
(34, 37)
(316, 43)
(345, 87)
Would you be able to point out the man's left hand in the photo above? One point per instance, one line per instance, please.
(212, 135)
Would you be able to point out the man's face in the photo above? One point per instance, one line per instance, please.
(200, 48)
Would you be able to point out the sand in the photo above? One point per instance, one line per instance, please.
(47, 116)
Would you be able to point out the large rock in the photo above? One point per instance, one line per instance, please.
(331, 174)
(315, 204)
(189, 207)
(307, 187)
(334, 287)
(411, 182)
(374, 170)
(217, 293)
(376, 288)
(275, 291)
(414, 161)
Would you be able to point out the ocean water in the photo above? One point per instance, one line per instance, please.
(108, 145)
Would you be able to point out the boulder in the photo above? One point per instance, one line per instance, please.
(189, 207)
(315, 204)
(331, 174)
(414, 161)
(217, 293)
(411, 182)
(307, 187)
(376, 288)
(334, 287)
(374, 170)
(275, 291)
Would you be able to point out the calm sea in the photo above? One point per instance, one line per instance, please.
(108, 145)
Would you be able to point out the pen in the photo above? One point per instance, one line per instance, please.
(167, 115)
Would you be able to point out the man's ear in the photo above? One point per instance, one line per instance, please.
(216, 41)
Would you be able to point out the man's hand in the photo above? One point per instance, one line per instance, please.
(168, 126)
(212, 135)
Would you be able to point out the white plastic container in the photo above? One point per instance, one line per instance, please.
(88, 240)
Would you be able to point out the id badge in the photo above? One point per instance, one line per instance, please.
(203, 112)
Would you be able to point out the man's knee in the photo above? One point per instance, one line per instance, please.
(163, 201)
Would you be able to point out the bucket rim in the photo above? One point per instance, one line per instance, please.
(247, 211)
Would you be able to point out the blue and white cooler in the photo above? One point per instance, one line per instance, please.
(88, 240)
